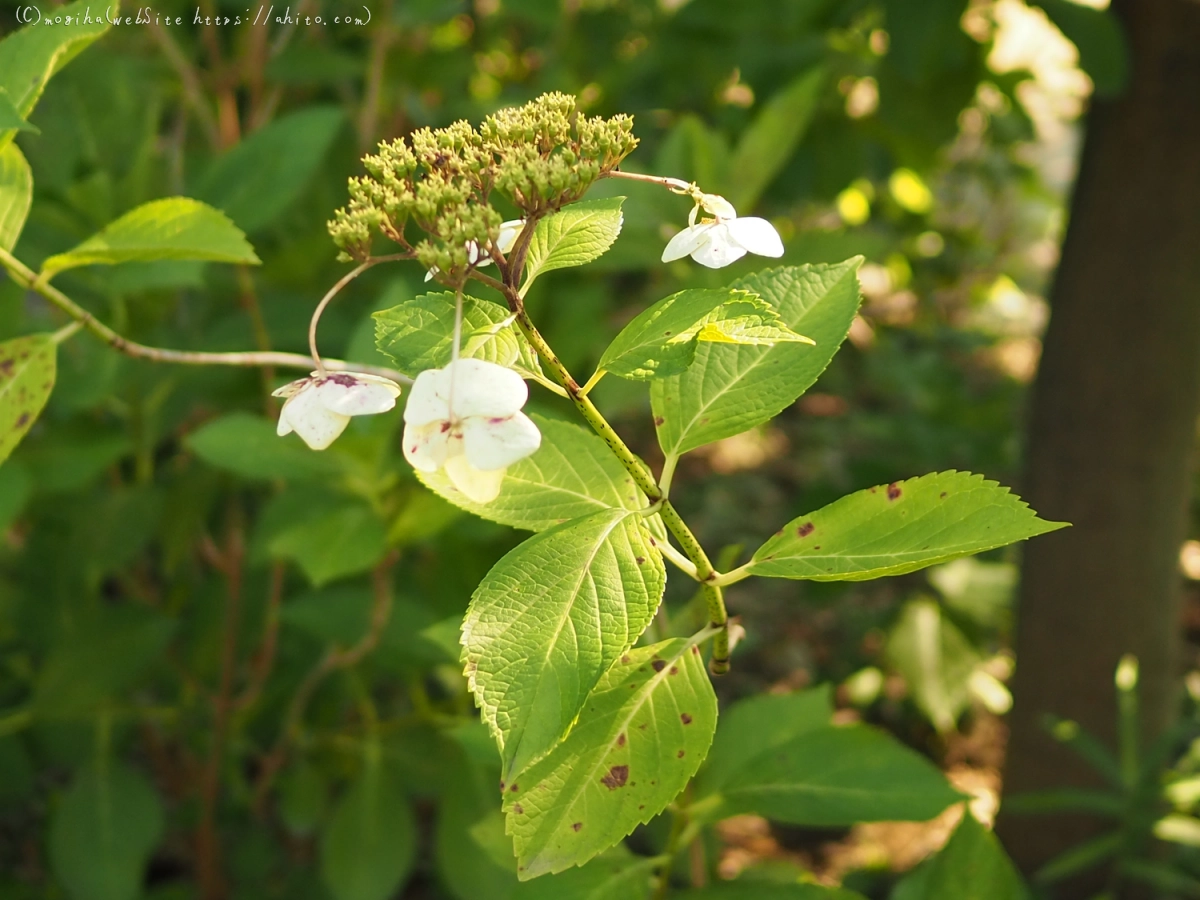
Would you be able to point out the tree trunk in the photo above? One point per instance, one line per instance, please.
(1113, 424)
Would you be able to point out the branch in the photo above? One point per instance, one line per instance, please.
(27, 278)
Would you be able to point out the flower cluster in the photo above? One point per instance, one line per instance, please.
(539, 157)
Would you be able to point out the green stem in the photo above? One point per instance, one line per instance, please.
(705, 573)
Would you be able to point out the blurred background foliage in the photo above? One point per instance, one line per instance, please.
(250, 650)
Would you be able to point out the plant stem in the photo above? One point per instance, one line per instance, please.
(684, 564)
(25, 277)
(676, 185)
(705, 574)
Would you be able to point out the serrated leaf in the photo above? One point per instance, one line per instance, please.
(102, 833)
(662, 340)
(247, 445)
(16, 194)
(572, 474)
(549, 620)
(837, 776)
(369, 845)
(27, 370)
(573, 236)
(256, 181)
(419, 334)
(730, 389)
(935, 659)
(171, 228)
(898, 528)
(973, 866)
(772, 138)
(644, 731)
(30, 56)
(757, 724)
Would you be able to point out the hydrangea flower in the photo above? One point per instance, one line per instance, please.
(509, 231)
(467, 419)
(723, 239)
(319, 407)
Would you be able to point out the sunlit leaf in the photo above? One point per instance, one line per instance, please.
(898, 528)
(549, 620)
(973, 866)
(16, 194)
(640, 738)
(574, 235)
(172, 228)
(27, 370)
(729, 389)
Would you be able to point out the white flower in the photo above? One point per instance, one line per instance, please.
(509, 232)
(318, 408)
(467, 419)
(723, 239)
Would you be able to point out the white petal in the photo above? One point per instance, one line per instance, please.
(476, 387)
(720, 249)
(283, 426)
(686, 242)
(509, 232)
(482, 487)
(718, 206)
(292, 387)
(308, 417)
(427, 398)
(498, 443)
(756, 235)
(426, 446)
(357, 395)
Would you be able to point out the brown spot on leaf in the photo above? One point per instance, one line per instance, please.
(894, 491)
(516, 787)
(616, 777)
(621, 739)
(805, 530)
(642, 727)
(658, 421)
(816, 546)
(685, 718)
(658, 665)
(640, 560)
(625, 659)
(518, 808)
(674, 670)
(577, 826)
(23, 420)
(680, 754)
(502, 785)
(873, 490)
(943, 495)
(695, 649)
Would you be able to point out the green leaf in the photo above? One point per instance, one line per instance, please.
(247, 445)
(10, 117)
(550, 619)
(27, 369)
(16, 194)
(30, 56)
(303, 798)
(255, 182)
(935, 659)
(102, 833)
(757, 724)
(662, 340)
(973, 866)
(100, 653)
(573, 236)
(172, 228)
(898, 528)
(640, 738)
(616, 875)
(368, 847)
(1097, 34)
(333, 544)
(772, 138)
(572, 474)
(730, 389)
(837, 776)
(419, 335)
(752, 889)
